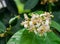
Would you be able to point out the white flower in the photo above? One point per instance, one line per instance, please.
(26, 17)
(31, 23)
(25, 25)
(38, 23)
(47, 22)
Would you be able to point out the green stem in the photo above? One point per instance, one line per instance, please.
(49, 7)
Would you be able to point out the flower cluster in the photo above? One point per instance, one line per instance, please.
(38, 23)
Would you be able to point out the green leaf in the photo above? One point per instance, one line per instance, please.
(2, 27)
(53, 38)
(30, 4)
(39, 12)
(20, 6)
(55, 25)
(25, 37)
(56, 16)
(36, 12)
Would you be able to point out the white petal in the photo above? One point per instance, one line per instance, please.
(25, 25)
(47, 22)
(26, 17)
(30, 23)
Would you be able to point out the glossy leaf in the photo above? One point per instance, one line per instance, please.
(26, 37)
(55, 25)
(30, 4)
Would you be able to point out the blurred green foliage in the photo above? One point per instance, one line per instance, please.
(19, 7)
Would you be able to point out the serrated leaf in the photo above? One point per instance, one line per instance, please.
(55, 25)
(2, 27)
(30, 4)
(26, 37)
